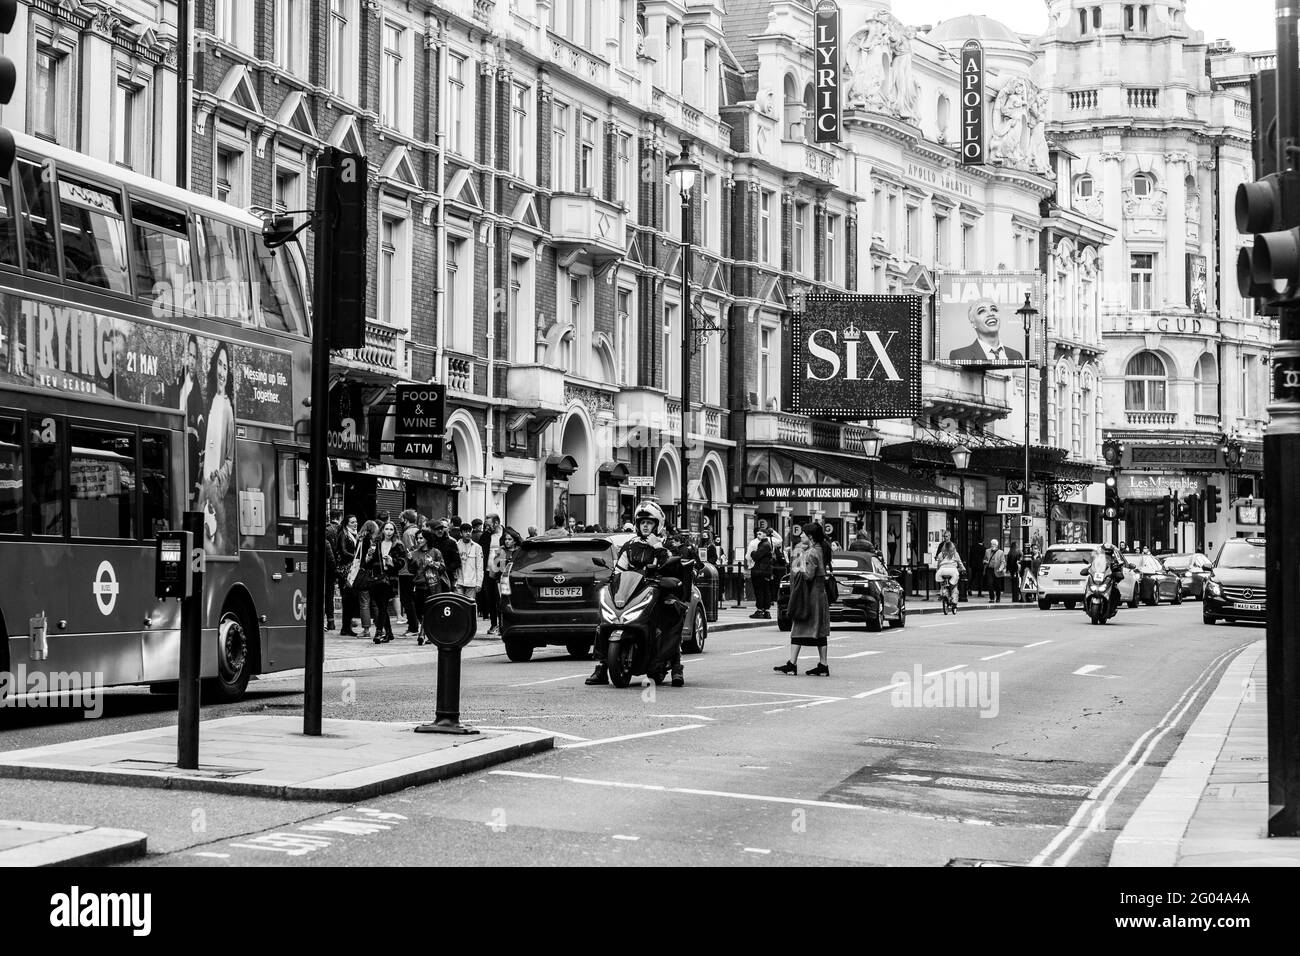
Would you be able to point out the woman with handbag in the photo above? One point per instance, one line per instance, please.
(363, 579)
(809, 606)
(384, 559)
(430, 577)
(349, 565)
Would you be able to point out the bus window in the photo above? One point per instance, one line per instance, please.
(291, 528)
(223, 269)
(279, 288)
(94, 236)
(155, 485)
(162, 255)
(47, 477)
(103, 483)
(37, 218)
(11, 476)
(8, 224)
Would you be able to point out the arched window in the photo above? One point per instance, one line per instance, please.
(1063, 414)
(1207, 385)
(564, 352)
(1083, 20)
(1083, 186)
(1143, 184)
(793, 109)
(1087, 448)
(1146, 383)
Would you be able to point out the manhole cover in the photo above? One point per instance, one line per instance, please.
(164, 766)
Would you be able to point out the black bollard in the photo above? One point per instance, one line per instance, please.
(450, 621)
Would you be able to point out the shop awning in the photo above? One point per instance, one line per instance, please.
(849, 479)
(612, 473)
(925, 454)
(1044, 463)
(560, 467)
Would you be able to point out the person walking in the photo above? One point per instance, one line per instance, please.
(860, 542)
(809, 606)
(470, 576)
(445, 543)
(709, 549)
(385, 558)
(429, 573)
(349, 566)
(760, 572)
(406, 579)
(331, 565)
(490, 542)
(1014, 556)
(995, 570)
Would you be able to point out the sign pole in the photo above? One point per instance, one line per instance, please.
(188, 686)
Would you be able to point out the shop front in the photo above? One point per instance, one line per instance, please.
(614, 498)
(368, 488)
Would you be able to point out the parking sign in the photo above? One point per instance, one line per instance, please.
(1011, 504)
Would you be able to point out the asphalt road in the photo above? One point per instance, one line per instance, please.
(1019, 736)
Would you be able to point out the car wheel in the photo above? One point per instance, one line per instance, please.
(1208, 618)
(1133, 601)
(579, 649)
(1178, 598)
(1044, 604)
(1155, 595)
(902, 618)
(699, 633)
(618, 662)
(233, 664)
(875, 622)
(1069, 605)
(519, 651)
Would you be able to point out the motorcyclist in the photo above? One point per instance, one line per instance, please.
(1116, 564)
(645, 553)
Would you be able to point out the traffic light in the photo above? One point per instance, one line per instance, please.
(341, 235)
(1114, 506)
(1211, 503)
(1189, 508)
(8, 83)
(1111, 452)
(1270, 210)
(1162, 513)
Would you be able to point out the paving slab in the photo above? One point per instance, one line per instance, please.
(269, 756)
(28, 843)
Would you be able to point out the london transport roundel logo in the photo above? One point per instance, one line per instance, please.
(105, 588)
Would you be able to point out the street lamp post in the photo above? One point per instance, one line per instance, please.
(1026, 312)
(961, 460)
(871, 442)
(684, 171)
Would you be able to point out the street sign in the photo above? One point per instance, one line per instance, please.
(1026, 521)
(1011, 504)
(421, 412)
(641, 481)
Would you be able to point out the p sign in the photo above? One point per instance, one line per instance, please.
(1011, 504)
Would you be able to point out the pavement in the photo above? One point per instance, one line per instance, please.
(268, 756)
(1210, 805)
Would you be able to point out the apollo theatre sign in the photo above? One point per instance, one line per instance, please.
(857, 356)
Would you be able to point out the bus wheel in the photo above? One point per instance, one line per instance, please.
(234, 664)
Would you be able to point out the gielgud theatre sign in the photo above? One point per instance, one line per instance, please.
(857, 356)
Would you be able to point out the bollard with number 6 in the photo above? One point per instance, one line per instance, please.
(451, 621)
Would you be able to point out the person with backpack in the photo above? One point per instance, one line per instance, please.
(995, 570)
(761, 555)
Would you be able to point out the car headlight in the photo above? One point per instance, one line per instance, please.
(1213, 588)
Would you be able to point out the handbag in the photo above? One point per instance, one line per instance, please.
(832, 589)
(354, 570)
(800, 605)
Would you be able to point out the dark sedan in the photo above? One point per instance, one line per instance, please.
(1236, 589)
(551, 595)
(1192, 570)
(1157, 583)
(866, 593)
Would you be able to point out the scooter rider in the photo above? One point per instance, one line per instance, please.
(646, 553)
(1117, 565)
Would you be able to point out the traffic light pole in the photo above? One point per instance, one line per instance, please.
(1282, 491)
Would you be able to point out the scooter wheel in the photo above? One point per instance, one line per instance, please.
(618, 662)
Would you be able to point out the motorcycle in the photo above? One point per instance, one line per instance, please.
(636, 621)
(1097, 590)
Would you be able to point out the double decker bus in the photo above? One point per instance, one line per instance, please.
(154, 359)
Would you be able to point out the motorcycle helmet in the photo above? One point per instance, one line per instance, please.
(648, 510)
(1108, 549)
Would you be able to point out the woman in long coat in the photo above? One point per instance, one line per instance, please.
(810, 607)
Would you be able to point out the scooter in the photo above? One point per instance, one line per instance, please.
(1097, 592)
(634, 621)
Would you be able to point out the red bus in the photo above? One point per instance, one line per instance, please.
(154, 358)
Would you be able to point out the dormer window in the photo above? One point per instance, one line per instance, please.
(1143, 184)
(1083, 186)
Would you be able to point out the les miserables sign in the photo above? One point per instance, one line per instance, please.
(857, 356)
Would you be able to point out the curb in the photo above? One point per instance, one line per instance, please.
(1154, 834)
(69, 845)
(494, 648)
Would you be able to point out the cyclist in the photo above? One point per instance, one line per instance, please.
(948, 567)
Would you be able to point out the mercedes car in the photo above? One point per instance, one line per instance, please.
(1235, 589)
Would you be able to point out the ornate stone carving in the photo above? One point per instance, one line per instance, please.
(1091, 206)
(105, 23)
(593, 400)
(765, 103)
(1111, 156)
(881, 76)
(1019, 126)
(1178, 157)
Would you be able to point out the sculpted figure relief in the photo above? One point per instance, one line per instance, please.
(1019, 126)
(880, 67)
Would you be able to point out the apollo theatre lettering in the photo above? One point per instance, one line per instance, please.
(858, 356)
(972, 103)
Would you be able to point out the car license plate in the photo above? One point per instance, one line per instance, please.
(561, 592)
(1249, 607)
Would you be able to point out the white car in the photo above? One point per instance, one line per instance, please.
(1060, 577)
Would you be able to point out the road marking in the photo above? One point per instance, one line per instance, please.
(760, 650)
(754, 849)
(753, 797)
(993, 657)
(906, 777)
(1037, 644)
(550, 680)
(955, 667)
(535, 730)
(624, 836)
(778, 693)
(614, 740)
(757, 703)
(848, 657)
(1098, 809)
(215, 856)
(1088, 670)
(880, 690)
(982, 620)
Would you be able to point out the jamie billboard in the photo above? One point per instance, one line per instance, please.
(976, 322)
(857, 356)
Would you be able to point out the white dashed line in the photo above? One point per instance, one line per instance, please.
(1037, 644)
(993, 657)
(614, 740)
(754, 849)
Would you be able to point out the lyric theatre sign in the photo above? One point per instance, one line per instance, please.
(826, 86)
